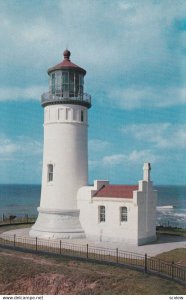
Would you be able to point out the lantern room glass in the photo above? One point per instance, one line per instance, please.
(66, 84)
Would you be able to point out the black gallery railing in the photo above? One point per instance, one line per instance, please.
(48, 97)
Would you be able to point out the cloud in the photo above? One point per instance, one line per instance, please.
(22, 94)
(161, 135)
(134, 157)
(114, 159)
(29, 147)
(134, 54)
(147, 97)
(130, 43)
(7, 148)
(97, 145)
(93, 164)
(131, 158)
(38, 32)
(20, 160)
(21, 148)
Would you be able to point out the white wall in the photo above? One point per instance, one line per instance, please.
(147, 201)
(112, 229)
(140, 227)
(65, 146)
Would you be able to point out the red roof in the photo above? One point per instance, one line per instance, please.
(116, 191)
(66, 64)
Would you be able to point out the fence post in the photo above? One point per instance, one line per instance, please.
(159, 266)
(117, 255)
(14, 240)
(27, 218)
(3, 217)
(60, 247)
(145, 262)
(36, 243)
(87, 251)
(172, 269)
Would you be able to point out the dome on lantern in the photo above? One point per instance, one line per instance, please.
(66, 64)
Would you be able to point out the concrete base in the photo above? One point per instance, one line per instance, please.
(57, 224)
(112, 239)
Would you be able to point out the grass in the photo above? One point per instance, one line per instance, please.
(24, 273)
(35, 274)
(177, 256)
(173, 231)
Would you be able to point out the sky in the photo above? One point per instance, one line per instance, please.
(135, 56)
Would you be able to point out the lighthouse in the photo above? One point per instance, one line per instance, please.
(69, 207)
(65, 152)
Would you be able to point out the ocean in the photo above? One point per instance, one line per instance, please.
(19, 200)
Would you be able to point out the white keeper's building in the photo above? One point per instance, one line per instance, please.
(69, 207)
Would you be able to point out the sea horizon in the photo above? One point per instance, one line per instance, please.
(21, 199)
(157, 184)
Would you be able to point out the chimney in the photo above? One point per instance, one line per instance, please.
(146, 171)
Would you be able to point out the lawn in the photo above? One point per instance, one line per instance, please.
(171, 231)
(41, 274)
(178, 256)
(35, 274)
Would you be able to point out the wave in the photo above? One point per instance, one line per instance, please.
(165, 207)
(171, 217)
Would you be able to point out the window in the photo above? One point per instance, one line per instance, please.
(53, 83)
(65, 77)
(81, 82)
(101, 214)
(82, 116)
(58, 84)
(50, 172)
(76, 84)
(65, 83)
(71, 84)
(123, 214)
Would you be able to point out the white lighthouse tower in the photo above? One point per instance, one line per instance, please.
(65, 157)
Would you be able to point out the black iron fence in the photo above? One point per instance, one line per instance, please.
(12, 219)
(104, 255)
(171, 224)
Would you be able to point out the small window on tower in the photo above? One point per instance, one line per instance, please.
(82, 115)
(50, 172)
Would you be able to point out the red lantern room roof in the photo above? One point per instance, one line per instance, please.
(66, 64)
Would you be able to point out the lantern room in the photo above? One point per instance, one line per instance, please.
(66, 84)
